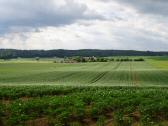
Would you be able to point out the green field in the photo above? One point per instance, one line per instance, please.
(43, 93)
(148, 73)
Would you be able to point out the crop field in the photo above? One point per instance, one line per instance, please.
(44, 93)
(149, 73)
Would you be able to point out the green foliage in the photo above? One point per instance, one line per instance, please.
(75, 124)
(121, 119)
(37, 58)
(101, 121)
(140, 59)
(93, 102)
(2, 113)
(128, 91)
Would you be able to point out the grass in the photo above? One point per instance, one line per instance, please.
(84, 94)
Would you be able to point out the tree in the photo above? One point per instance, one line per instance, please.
(37, 58)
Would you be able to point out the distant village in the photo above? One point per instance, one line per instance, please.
(97, 59)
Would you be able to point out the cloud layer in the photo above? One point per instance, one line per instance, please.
(154, 7)
(74, 24)
(21, 14)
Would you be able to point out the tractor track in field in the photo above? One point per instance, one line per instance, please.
(134, 76)
(98, 77)
(135, 79)
(101, 75)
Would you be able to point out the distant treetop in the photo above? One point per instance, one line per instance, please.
(12, 53)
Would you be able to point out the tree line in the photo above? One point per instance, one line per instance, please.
(12, 53)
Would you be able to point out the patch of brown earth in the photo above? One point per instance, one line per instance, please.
(89, 122)
(136, 115)
(136, 124)
(6, 102)
(9, 101)
(38, 122)
(109, 122)
(25, 98)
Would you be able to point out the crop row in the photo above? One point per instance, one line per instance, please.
(123, 105)
(15, 92)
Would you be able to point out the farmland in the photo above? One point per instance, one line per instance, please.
(148, 73)
(84, 94)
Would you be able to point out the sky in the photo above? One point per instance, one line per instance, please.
(84, 24)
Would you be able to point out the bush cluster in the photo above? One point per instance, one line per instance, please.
(99, 59)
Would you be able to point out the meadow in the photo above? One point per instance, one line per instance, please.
(44, 93)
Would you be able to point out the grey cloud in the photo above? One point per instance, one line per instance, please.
(154, 7)
(140, 39)
(39, 13)
(117, 30)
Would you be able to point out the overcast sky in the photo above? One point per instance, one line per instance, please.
(84, 24)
